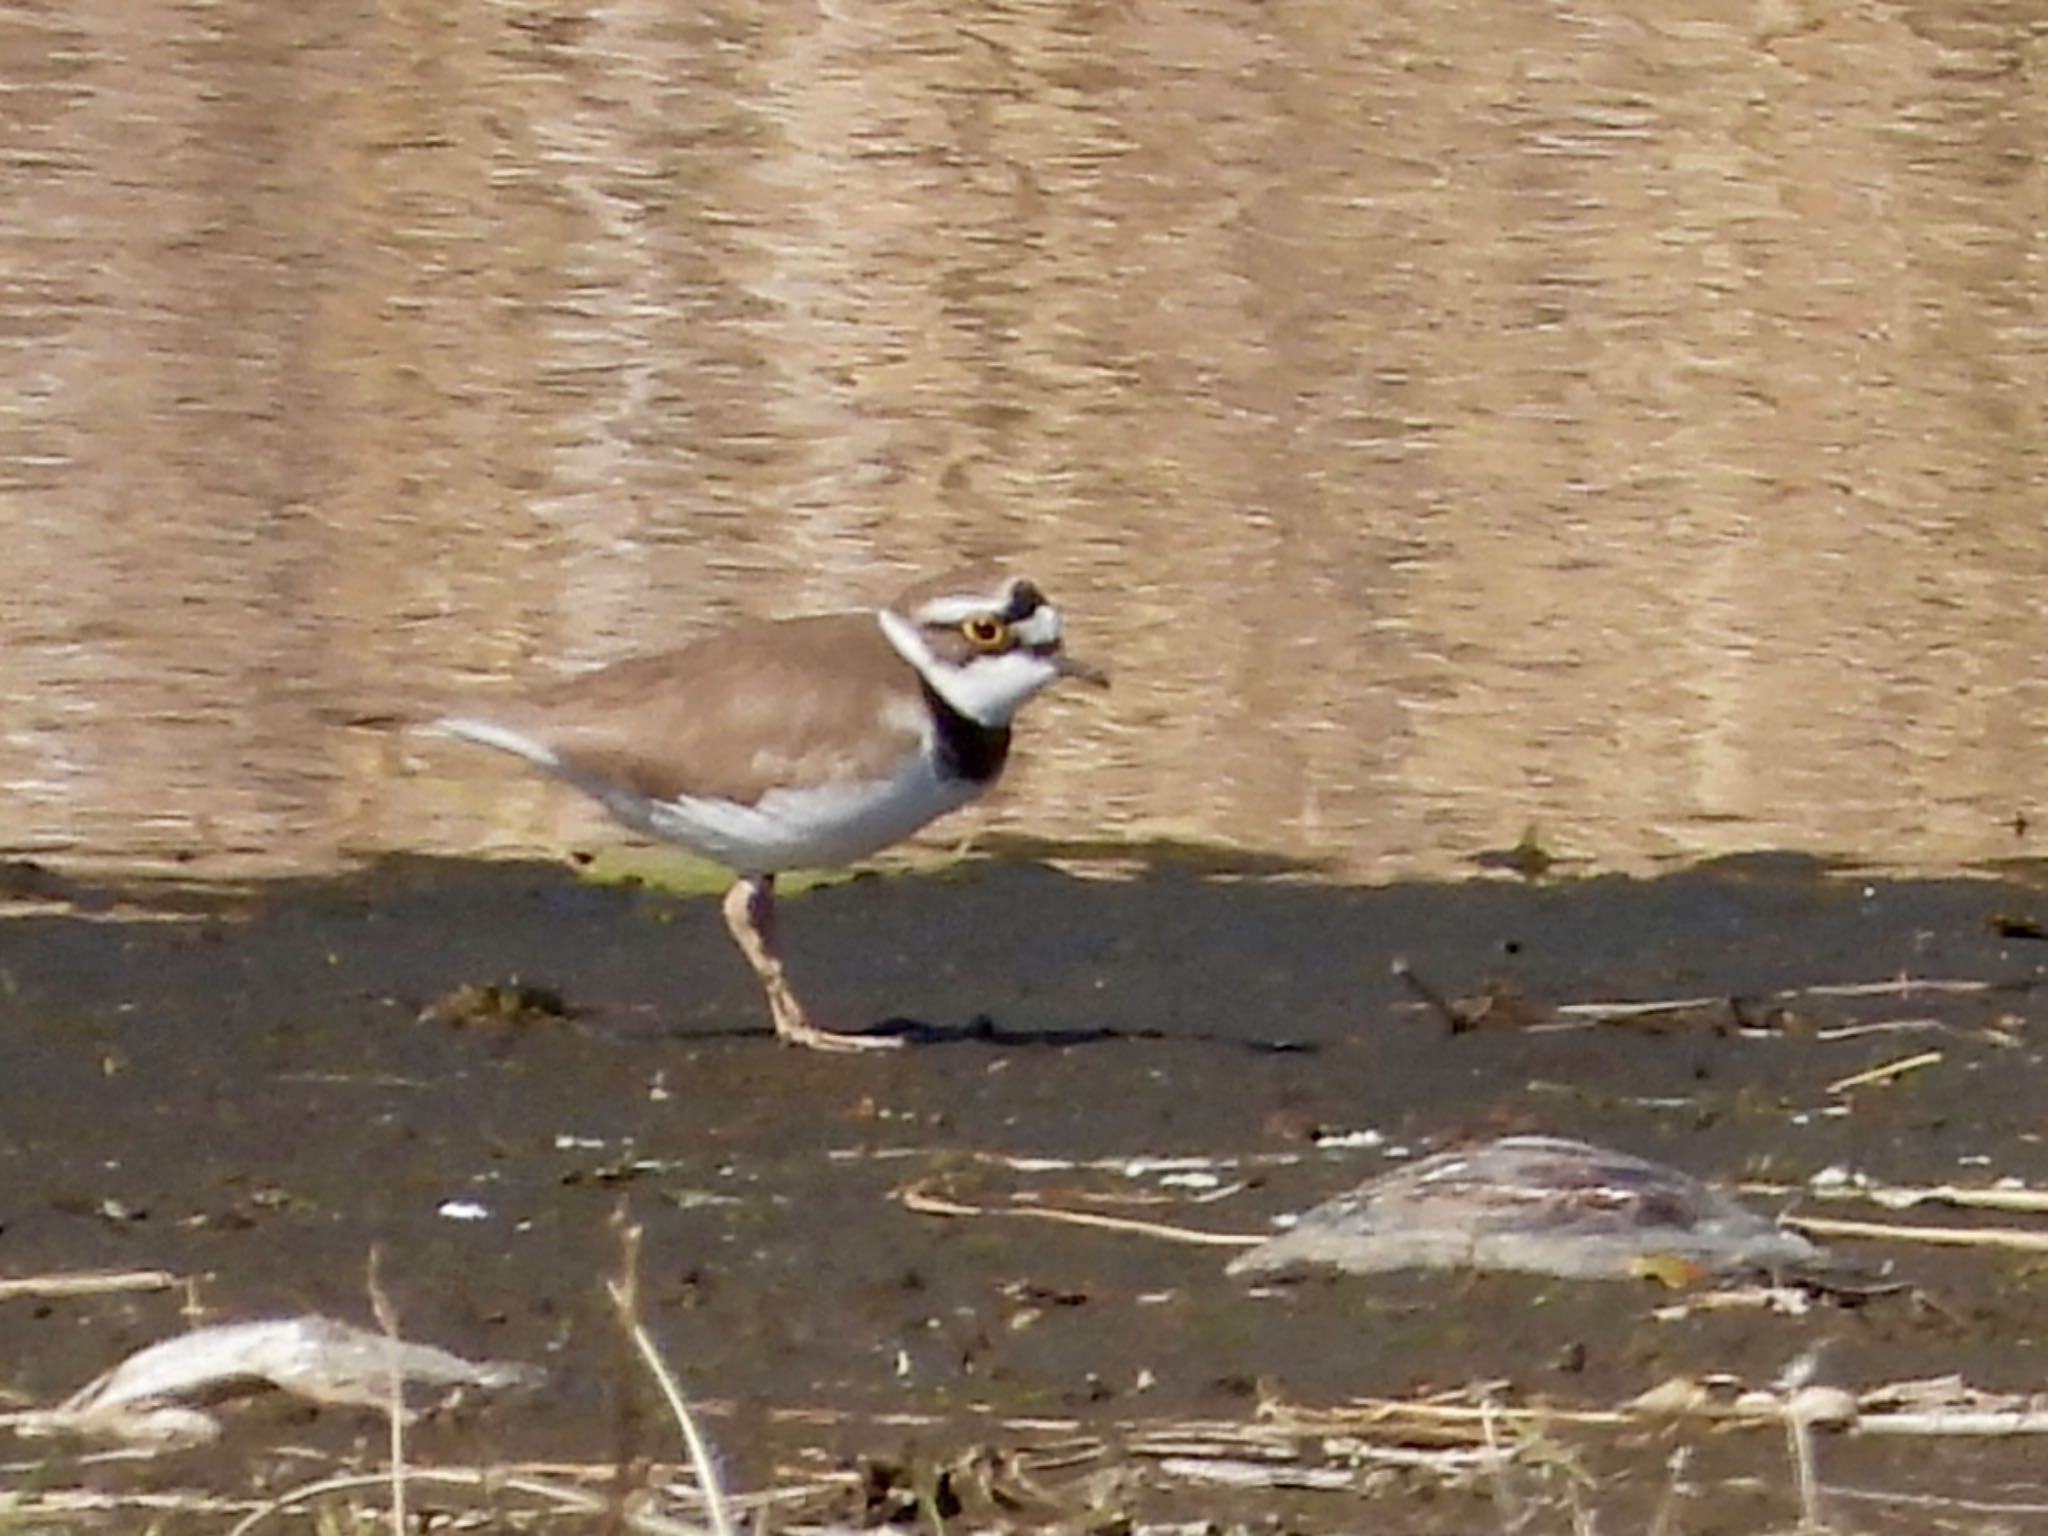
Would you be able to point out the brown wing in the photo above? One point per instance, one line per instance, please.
(756, 707)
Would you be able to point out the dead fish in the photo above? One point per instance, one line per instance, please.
(155, 1396)
(1541, 1204)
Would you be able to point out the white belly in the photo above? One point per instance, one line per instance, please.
(828, 825)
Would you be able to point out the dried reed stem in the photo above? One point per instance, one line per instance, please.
(625, 1294)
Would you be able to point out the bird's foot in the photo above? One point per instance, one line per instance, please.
(801, 1031)
(750, 915)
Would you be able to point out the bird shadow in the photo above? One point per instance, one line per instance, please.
(984, 1030)
(921, 1034)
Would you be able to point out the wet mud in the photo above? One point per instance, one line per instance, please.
(254, 1089)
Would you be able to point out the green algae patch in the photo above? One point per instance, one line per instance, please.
(672, 872)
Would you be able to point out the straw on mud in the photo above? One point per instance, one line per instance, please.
(1492, 1422)
(1366, 1414)
(563, 1497)
(915, 1197)
(1903, 987)
(1224, 1452)
(625, 1294)
(1619, 1012)
(106, 1282)
(394, 1404)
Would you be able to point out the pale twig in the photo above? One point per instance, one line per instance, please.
(1799, 1436)
(2015, 1239)
(676, 1479)
(1898, 1197)
(394, 1402)
(1600, 1013)
(1453, 1017)
(1956, 1424)
(1665, 1521)
(1938, 1501)
(1252, 1474)
(87, 1283)
(625, 1294)
(915, 1197)
(1132, 1165)
(1839, 1032)
(1885, 1072)
(1505, 1499)
(1904, 986)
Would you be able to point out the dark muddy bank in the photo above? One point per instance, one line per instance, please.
(256, 1092)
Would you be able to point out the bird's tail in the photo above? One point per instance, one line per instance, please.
(489, 733)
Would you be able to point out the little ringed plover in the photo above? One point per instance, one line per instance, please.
(798, 743)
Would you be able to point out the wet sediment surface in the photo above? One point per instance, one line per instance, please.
(255, 1094)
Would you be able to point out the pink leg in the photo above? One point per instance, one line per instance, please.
(750, 915)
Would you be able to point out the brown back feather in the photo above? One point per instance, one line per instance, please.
(765, 704)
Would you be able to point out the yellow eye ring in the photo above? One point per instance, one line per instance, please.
(985, 633)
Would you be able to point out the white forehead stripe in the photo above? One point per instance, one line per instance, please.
(958, 610)
(1042, 628)
(907, 642)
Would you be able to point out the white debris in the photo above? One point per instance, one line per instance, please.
(1334, 1140)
